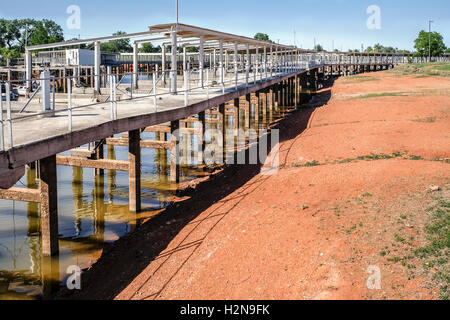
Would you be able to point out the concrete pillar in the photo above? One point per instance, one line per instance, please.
(264, 105)
(223, 118)
(134, 158)
(175, 152)
(257, 98)
(201, 137)
(49, 206)
(29, 70)
(248, 101)
(45, 90)
(173, 73)
(99, 154)
(237, 126)
(202, 59)
(135, 65)
(237, 116)
(97, 62)
(270, 102)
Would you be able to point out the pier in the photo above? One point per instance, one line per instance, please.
(244, 78)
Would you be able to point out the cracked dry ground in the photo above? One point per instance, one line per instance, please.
(354, 180)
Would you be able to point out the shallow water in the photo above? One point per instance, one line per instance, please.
(92, 210)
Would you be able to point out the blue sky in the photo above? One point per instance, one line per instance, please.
(343, 21)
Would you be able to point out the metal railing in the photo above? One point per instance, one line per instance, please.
(194, 82)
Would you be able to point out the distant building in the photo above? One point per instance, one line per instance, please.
(74, 58)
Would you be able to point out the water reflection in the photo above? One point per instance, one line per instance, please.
(93, 210)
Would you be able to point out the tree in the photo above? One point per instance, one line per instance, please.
(120, 45)
(9, 32)
(9, 53)
(422, 44)
(193, 49)
(447, 51)
(318, 48)
(16, 34)
(262, 37)
(149, 48)
(45, 31)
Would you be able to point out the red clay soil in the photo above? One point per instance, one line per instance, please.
(312, 230)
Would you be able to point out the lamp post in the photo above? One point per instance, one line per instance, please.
(429, 38)
(177, 11)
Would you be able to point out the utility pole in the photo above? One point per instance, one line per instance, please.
(177, 11)
(429, 38)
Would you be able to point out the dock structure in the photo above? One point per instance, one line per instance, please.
(245, 79)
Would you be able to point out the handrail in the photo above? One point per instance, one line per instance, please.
(252, 73)
(29, 100)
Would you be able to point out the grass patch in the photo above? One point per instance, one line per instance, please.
(370, 157)
(443, 67)
(383, 94)
(359, 79)
(426, 120)
(435, 254)
(415, 158)
(374, 157)
(423, 70)
(308, 164)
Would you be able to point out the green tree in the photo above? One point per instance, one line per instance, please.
(10, 53)
(120, 45)
(16, 34)
(262, 37)
(149, 48)
(318, 48)
(192, 49)
(45, 31)
(9, 33)
(447, 51)
(422, 44)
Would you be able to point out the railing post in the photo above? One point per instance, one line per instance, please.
(8, 113)
(186, 94)
(115, 96)
(207, 84)
(2, 136)
(69, 100)
(155, 78)
(54, 94)
(111, 84)
(132, 84)
(236, 66)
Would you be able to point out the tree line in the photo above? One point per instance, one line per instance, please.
(16, 34)
(421, 45)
